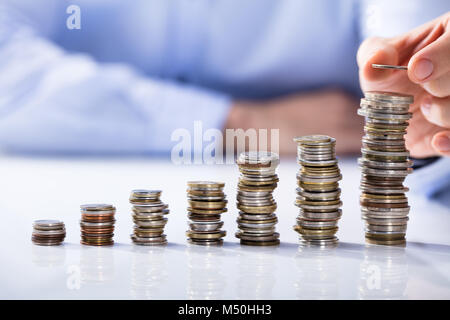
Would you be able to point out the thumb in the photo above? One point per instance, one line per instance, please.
(433, 61)
(376, 50)
(441, 142)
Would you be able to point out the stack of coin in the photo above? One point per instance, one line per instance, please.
(97, 224)
(148, 217)
(48, 232)
(318, 192)
(255, 202)
(385, 165)
(206, 203)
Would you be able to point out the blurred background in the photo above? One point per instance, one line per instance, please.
(119, 77)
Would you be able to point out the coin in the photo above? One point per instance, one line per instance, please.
(260, 243)
(205, 242)
(384, 165)
(149, 241)
(205, 184)
(318, 193)
(97, 224)
(207, 202)
(255, 202)
(206, 234)
(387, 66)
(148, 213)
(97, 207)
(48, 232)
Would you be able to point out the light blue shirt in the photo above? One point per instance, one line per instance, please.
(138, 70)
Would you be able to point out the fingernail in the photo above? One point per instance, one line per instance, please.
(443, 143)
(425, 106)
(423, 69)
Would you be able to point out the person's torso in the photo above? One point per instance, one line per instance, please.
(253, 48)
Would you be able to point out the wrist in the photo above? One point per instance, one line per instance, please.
(243, 115)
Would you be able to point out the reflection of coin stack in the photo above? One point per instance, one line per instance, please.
(317, 276)
(97, 224)
(148, 272)
(258, 179)
(384, 166)
(318, 192)
(257, 271)
(97, 266)
(148, 216)
(206, 281)
(383, 273)
(48, 232)
(206, 203)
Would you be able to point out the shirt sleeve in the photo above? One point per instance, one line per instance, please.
(52, 101)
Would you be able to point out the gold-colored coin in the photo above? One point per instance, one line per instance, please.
(257, 210)
(206, 184)
(206, 235)
(207, 204)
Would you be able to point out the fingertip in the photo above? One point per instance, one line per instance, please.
(441, 142)
(420, 69)
(374, 74)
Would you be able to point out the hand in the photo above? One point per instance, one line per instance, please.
(328, 112)
(426, 50)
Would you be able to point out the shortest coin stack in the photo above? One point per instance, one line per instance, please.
(97, 224)
(48, 232)
(318, 193)
(206, 203)
(148, 217)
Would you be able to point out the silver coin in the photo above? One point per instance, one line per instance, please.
(391, 97)
(330, 242)
(333, 207)
(385, 154)
(316, 224)
(151, 224)
(320, 215)
(160, 240)
(48, 223)
(386, 191)
(261, 157)
(257, 232)
(386, 221)
(387, 66)
(315, 140)
(332, 195)
(257, 225)
(258, 217)
(383, 215)
(257, 194)
(60, 232)
(97, 207)
(380, 115)
(386, 173)
(97, 224)
(385, 165)
(202, 226)
(151, 214)
(380, 228)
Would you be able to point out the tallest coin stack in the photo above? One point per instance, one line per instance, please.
(385, 165)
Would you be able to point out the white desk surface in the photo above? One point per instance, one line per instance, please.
(54, 188)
